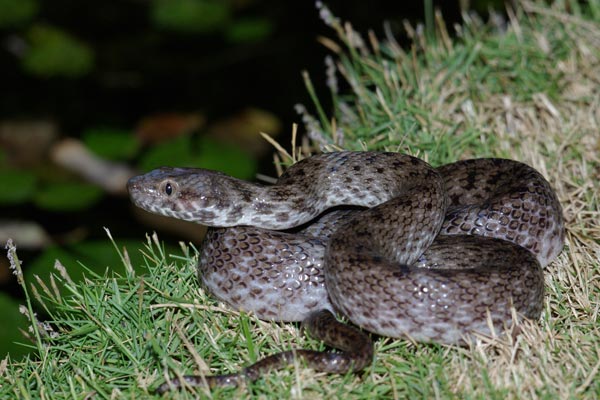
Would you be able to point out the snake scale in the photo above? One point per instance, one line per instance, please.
(399, 248)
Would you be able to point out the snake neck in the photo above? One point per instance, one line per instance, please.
(214, 199)
(308, 188)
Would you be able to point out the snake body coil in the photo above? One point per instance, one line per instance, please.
(430, 254)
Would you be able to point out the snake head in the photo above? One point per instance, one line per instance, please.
(189, 194)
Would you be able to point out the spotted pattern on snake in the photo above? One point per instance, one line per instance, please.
(430, 254)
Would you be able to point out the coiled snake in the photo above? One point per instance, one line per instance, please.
(399, 248)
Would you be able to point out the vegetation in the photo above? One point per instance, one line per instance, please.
(525, 89)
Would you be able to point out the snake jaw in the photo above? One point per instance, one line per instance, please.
(139, 192)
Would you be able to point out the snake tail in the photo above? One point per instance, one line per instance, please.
(355, 352)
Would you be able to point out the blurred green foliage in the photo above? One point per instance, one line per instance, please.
(19, 186)
(111, 143)
(249, 30)
(209, 16)
(226, 158)
(17, 12)
(53, 52)
(67, 196)
(197, 16)
(202, 152)
(178, 151)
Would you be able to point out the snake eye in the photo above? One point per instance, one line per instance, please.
(168, 189)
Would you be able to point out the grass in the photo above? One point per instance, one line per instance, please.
(527, 90)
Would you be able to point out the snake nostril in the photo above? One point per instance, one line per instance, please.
(131, 185)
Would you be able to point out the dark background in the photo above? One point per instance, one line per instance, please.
(141, 69)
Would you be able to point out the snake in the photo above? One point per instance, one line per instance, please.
(397, 247)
